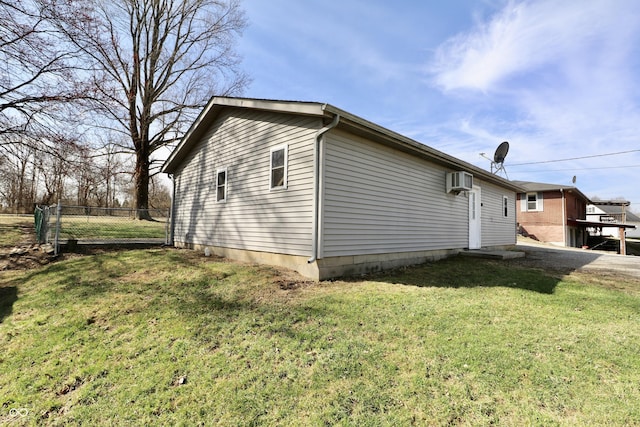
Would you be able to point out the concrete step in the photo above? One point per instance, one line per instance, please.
(492, 254)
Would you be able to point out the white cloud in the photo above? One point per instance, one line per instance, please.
(567, 71)
(527, 36)
(555, 78)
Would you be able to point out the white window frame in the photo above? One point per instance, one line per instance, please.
(226, 185)
(538, 202)
(286, 167)
(505, 206)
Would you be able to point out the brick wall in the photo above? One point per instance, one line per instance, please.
(547, 225)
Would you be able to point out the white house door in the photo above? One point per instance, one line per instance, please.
(475, 232)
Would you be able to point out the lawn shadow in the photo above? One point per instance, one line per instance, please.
(8, 295)
(466, 272)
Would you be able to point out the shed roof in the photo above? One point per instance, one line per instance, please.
(617, 210)
(541, 186)
(348, 121)
(618, 202)
(598, 224)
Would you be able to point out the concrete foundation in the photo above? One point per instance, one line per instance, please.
(332, 267)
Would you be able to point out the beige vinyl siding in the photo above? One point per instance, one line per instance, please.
(379, 200)
(253, 216)
(497, 229)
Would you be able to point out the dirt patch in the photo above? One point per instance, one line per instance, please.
(25, 257)
(21, 252)
(289, 282)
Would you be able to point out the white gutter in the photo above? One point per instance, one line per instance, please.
(172, 219)
(316, 183)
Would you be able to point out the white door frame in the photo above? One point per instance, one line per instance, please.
(475, 209)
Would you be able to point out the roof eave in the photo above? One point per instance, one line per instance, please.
(293, 107)
(544, 187)
(416, 147)
(216, 104)
(326, 110)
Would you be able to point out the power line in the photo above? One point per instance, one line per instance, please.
(575, 158)
(577, 169)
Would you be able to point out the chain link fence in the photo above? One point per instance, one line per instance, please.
(71, 225)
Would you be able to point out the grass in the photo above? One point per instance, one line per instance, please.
(169, 337)
(12, 229)
(105, 227)
(15, 230)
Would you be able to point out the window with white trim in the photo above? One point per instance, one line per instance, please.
(221, 185)
(278, 168)
(531, 202)
(505, 206)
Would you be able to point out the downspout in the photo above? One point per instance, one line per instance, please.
(316, 186)
(564, 219)
(172, 219)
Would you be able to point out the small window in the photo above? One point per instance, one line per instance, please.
(221, 185)
(278, 168)
(472, 204)
(505, 206)
(532, 201)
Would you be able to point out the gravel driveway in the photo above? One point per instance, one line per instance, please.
(574, 259)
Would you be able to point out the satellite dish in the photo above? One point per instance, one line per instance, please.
(573, 179)
(501, 152)
(497, 164)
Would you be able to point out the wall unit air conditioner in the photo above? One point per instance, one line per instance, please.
(459, 181)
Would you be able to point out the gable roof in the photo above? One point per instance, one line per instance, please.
(348, 121)
(541, 186)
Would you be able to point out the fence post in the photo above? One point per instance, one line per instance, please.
(38, 218)
(166, 229)
(47, 218)
(57, 240)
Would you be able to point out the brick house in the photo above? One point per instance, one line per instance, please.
(552, 213)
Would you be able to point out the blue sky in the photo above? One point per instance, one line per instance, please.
(557, 79)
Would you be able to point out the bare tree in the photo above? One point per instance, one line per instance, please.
(159, 194)
(17, 177)
(155, 64)
(38, 81)
(111, 167)
(55, 169)
(38, 72)
(85, 177)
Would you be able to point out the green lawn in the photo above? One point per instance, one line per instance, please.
(16, 229)
(105, 227)
(169, 337)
